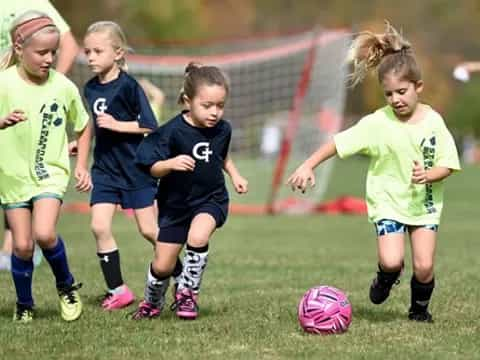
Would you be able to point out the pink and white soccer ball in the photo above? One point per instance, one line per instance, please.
(324, 310)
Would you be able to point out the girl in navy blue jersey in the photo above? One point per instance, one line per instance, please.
(188, 154)
(122, 116)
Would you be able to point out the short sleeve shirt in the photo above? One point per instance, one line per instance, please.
(393, 146)
(34, 157)
(181, 192)
(114, 153)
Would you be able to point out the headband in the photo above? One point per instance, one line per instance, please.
(26, 29)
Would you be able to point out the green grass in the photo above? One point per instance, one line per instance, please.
(259, 268)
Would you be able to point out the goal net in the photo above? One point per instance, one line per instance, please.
(286, 98)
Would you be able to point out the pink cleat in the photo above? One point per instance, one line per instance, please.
(146, 311)
(118, 301)
(185, 304)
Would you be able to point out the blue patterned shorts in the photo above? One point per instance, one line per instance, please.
(386, 226)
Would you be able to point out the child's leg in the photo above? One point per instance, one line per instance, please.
(423, 241)
(118, 295)
(7, 236)
(196, 254)
(391, 252)
(46, 210)
(146, 219)
(158, 275)
(20, 221)
(45, 216)
(6, 252)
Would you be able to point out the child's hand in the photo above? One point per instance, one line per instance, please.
(106, 121)
(183, 163)
(73, 148)
(301, 178)
(419, 175)
(240, 184)
(84, 182)
(12, 119)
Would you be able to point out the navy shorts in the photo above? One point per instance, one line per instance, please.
(127, 199)
(178, 233)
(387, 226)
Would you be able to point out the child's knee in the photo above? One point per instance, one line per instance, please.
(100, 229)
(423, 270)
(46, 238)
(23, 250)
(148, 232)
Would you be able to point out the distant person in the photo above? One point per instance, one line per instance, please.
(411, 153)
(463, 70)
(122, 116)
(155, 96)
(188, 154)
(68, 49)
(36, 103)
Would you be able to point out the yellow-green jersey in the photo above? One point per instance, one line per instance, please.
(34, 157)
(11, 9)
(393, 146)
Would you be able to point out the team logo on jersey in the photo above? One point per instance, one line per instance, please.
(201, 151)
(428, 151)
(99, 106)
(50, 115)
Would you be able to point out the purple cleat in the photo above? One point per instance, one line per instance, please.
(146, 311)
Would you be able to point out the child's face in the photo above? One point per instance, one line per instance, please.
(100, 53)
(37, 55)
(401, 94)
(207, 106)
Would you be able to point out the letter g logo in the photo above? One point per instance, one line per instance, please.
(99, 106)
(201, 151)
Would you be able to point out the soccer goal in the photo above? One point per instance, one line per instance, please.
(287, 97)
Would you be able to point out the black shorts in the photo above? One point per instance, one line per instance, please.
(178, 233)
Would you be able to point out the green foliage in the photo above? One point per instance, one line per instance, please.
(464, 114)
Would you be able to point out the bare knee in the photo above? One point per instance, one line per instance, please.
(148, 232)
(423, 271)
(46, 238)
(197, 239)
(23, 249)
(391, 264)
(101, 230)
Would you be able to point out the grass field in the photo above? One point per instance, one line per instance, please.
(259, 268)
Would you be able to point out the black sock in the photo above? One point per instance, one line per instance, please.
(110, 264)
(420, 295)
(177, 271)
(198, 249)
(387, 277)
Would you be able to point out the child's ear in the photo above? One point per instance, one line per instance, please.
(18, 49)
(186, 101)
(120, 53)
(419, 86)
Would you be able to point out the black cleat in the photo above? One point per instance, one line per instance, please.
(423, 316)
(382, 284)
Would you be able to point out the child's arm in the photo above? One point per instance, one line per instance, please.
(304, 175)
(107, 121)
(84, 183)
(178, 163)
(239, 182)
(11, 119)
(434, 174)
(471, 66)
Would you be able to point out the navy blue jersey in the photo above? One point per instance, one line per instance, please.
(181, 192)
(114, 154)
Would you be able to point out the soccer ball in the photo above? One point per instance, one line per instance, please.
(324, 310)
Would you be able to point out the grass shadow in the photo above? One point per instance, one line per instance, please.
(377, 314)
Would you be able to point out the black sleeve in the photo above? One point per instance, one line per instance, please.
(155, 147)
